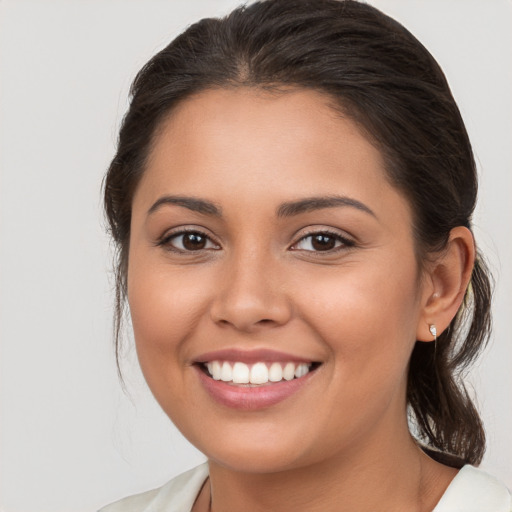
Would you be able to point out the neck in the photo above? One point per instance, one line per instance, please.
(385, 475)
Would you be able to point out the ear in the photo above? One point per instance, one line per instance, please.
(445, 283)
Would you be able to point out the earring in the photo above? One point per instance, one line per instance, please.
(433, 331)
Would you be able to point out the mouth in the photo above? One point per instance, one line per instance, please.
(259, 373)
(253, 380)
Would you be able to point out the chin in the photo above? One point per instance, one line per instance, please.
(256, 450)
(255, 461)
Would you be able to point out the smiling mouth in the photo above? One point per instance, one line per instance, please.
(257, 374)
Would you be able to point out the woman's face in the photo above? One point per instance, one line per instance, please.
(266, 239)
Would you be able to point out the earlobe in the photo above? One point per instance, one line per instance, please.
(449, 275)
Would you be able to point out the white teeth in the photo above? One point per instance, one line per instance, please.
(216, 370)
(275, 373)
(226, 373)
(289, 371)
(258, 373)
(301, 370)
(240, 373)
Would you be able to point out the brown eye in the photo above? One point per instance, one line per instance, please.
(188, 241)
(193, 241)
(322, 242)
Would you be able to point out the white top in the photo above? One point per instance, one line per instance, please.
(472, 490)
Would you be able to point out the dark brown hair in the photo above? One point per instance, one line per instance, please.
(379, 75)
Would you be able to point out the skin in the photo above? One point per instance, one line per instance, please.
(259, 283)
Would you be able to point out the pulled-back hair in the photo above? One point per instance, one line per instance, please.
(383, 78)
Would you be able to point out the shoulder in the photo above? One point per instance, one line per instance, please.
(177, 494)
(474, 490)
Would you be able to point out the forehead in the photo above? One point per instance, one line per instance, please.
(257, 117)
(250, 144)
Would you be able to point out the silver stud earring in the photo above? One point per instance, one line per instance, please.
(433, 331)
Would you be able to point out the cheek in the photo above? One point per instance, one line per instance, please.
(367, 316)
(368, 322)
(166, 308)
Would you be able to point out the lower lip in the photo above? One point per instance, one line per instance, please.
(251, 398)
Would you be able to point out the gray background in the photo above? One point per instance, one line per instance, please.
(70, 439)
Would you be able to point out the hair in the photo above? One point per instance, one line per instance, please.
(383, 78)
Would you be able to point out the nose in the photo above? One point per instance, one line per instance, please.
(251, 295)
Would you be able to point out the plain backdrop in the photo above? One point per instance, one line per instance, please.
(70, 439)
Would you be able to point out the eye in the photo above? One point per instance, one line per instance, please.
(188, 241)
(323, 241)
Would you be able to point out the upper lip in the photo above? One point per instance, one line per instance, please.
(250, 356)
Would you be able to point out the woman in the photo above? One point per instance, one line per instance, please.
(291, 199)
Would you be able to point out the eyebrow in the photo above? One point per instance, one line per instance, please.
(192, 203)
(287, 209)
(317, 203)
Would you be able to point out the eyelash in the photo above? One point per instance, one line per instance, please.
(345, 243)
(166, 241)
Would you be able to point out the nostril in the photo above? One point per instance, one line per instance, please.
(262, 323)
(246, 311)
